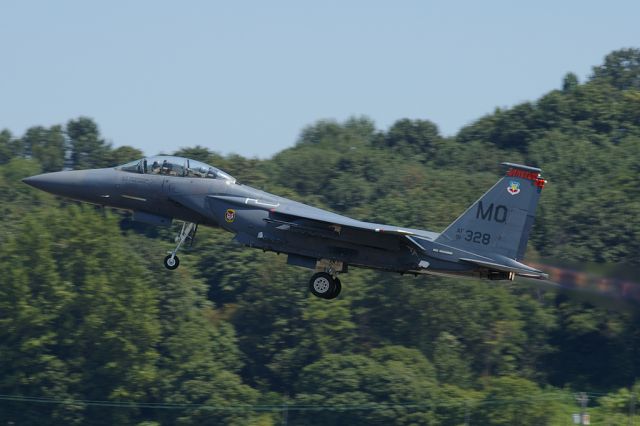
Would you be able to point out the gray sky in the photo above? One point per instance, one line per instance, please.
(247, 76)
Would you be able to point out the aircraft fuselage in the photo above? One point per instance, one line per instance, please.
(485, 242)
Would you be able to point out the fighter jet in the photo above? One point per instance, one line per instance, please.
(487, 241)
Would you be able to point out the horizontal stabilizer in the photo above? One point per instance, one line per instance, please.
(515, 267)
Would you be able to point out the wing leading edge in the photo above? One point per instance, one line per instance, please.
(288, 211)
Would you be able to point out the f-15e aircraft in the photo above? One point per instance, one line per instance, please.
(486, 241)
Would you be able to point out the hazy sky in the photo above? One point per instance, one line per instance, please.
(247, 76)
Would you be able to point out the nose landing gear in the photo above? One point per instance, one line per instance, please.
(188, 230)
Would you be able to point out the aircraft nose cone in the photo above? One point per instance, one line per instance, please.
(60, 183)
(38, 181)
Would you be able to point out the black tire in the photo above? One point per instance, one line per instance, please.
(171, 265)
(322, 285)
(336, 289)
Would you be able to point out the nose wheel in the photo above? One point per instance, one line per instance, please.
(171, 262)
(325, 286)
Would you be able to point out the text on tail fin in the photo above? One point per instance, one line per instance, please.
(499, 222)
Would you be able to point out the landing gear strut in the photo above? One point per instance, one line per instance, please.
(188, 231)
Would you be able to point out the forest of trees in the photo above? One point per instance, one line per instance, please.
(94, 330)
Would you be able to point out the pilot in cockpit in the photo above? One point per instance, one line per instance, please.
(164, 170)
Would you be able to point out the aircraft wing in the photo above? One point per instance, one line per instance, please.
(300, 216)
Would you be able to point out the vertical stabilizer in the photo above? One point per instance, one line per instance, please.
(500, 221)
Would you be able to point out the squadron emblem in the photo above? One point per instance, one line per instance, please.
(514, 187)
(230, 215)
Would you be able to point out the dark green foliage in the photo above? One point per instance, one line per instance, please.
(417, 139)
(570, 82)
(621, 69)
(385, 380)
(509, 129)
(10, 147)
(78, 146)
(87, 312)
(122, 155)
(513, 400)
(88, 149)
(83, 317)
(47, 146)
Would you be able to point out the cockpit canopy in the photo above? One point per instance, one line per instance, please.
(175, 166)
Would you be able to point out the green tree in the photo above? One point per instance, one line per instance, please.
(88, 149)
(122, 155)
(415, 139)
(112, 339)
(621, 68)
(16, 198)
(47, 146)
(356, 389)
(618, 407)
(10, 147)
(448, 357)
(570, 82)
(34, 302)
(512, 400)
(199, 357)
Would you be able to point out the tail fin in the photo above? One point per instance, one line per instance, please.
(500, 221)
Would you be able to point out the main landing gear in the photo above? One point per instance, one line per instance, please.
(323, 285)
(188, 231)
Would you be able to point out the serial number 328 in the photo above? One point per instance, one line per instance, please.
(477, 237)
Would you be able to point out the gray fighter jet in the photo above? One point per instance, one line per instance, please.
(486, 241)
